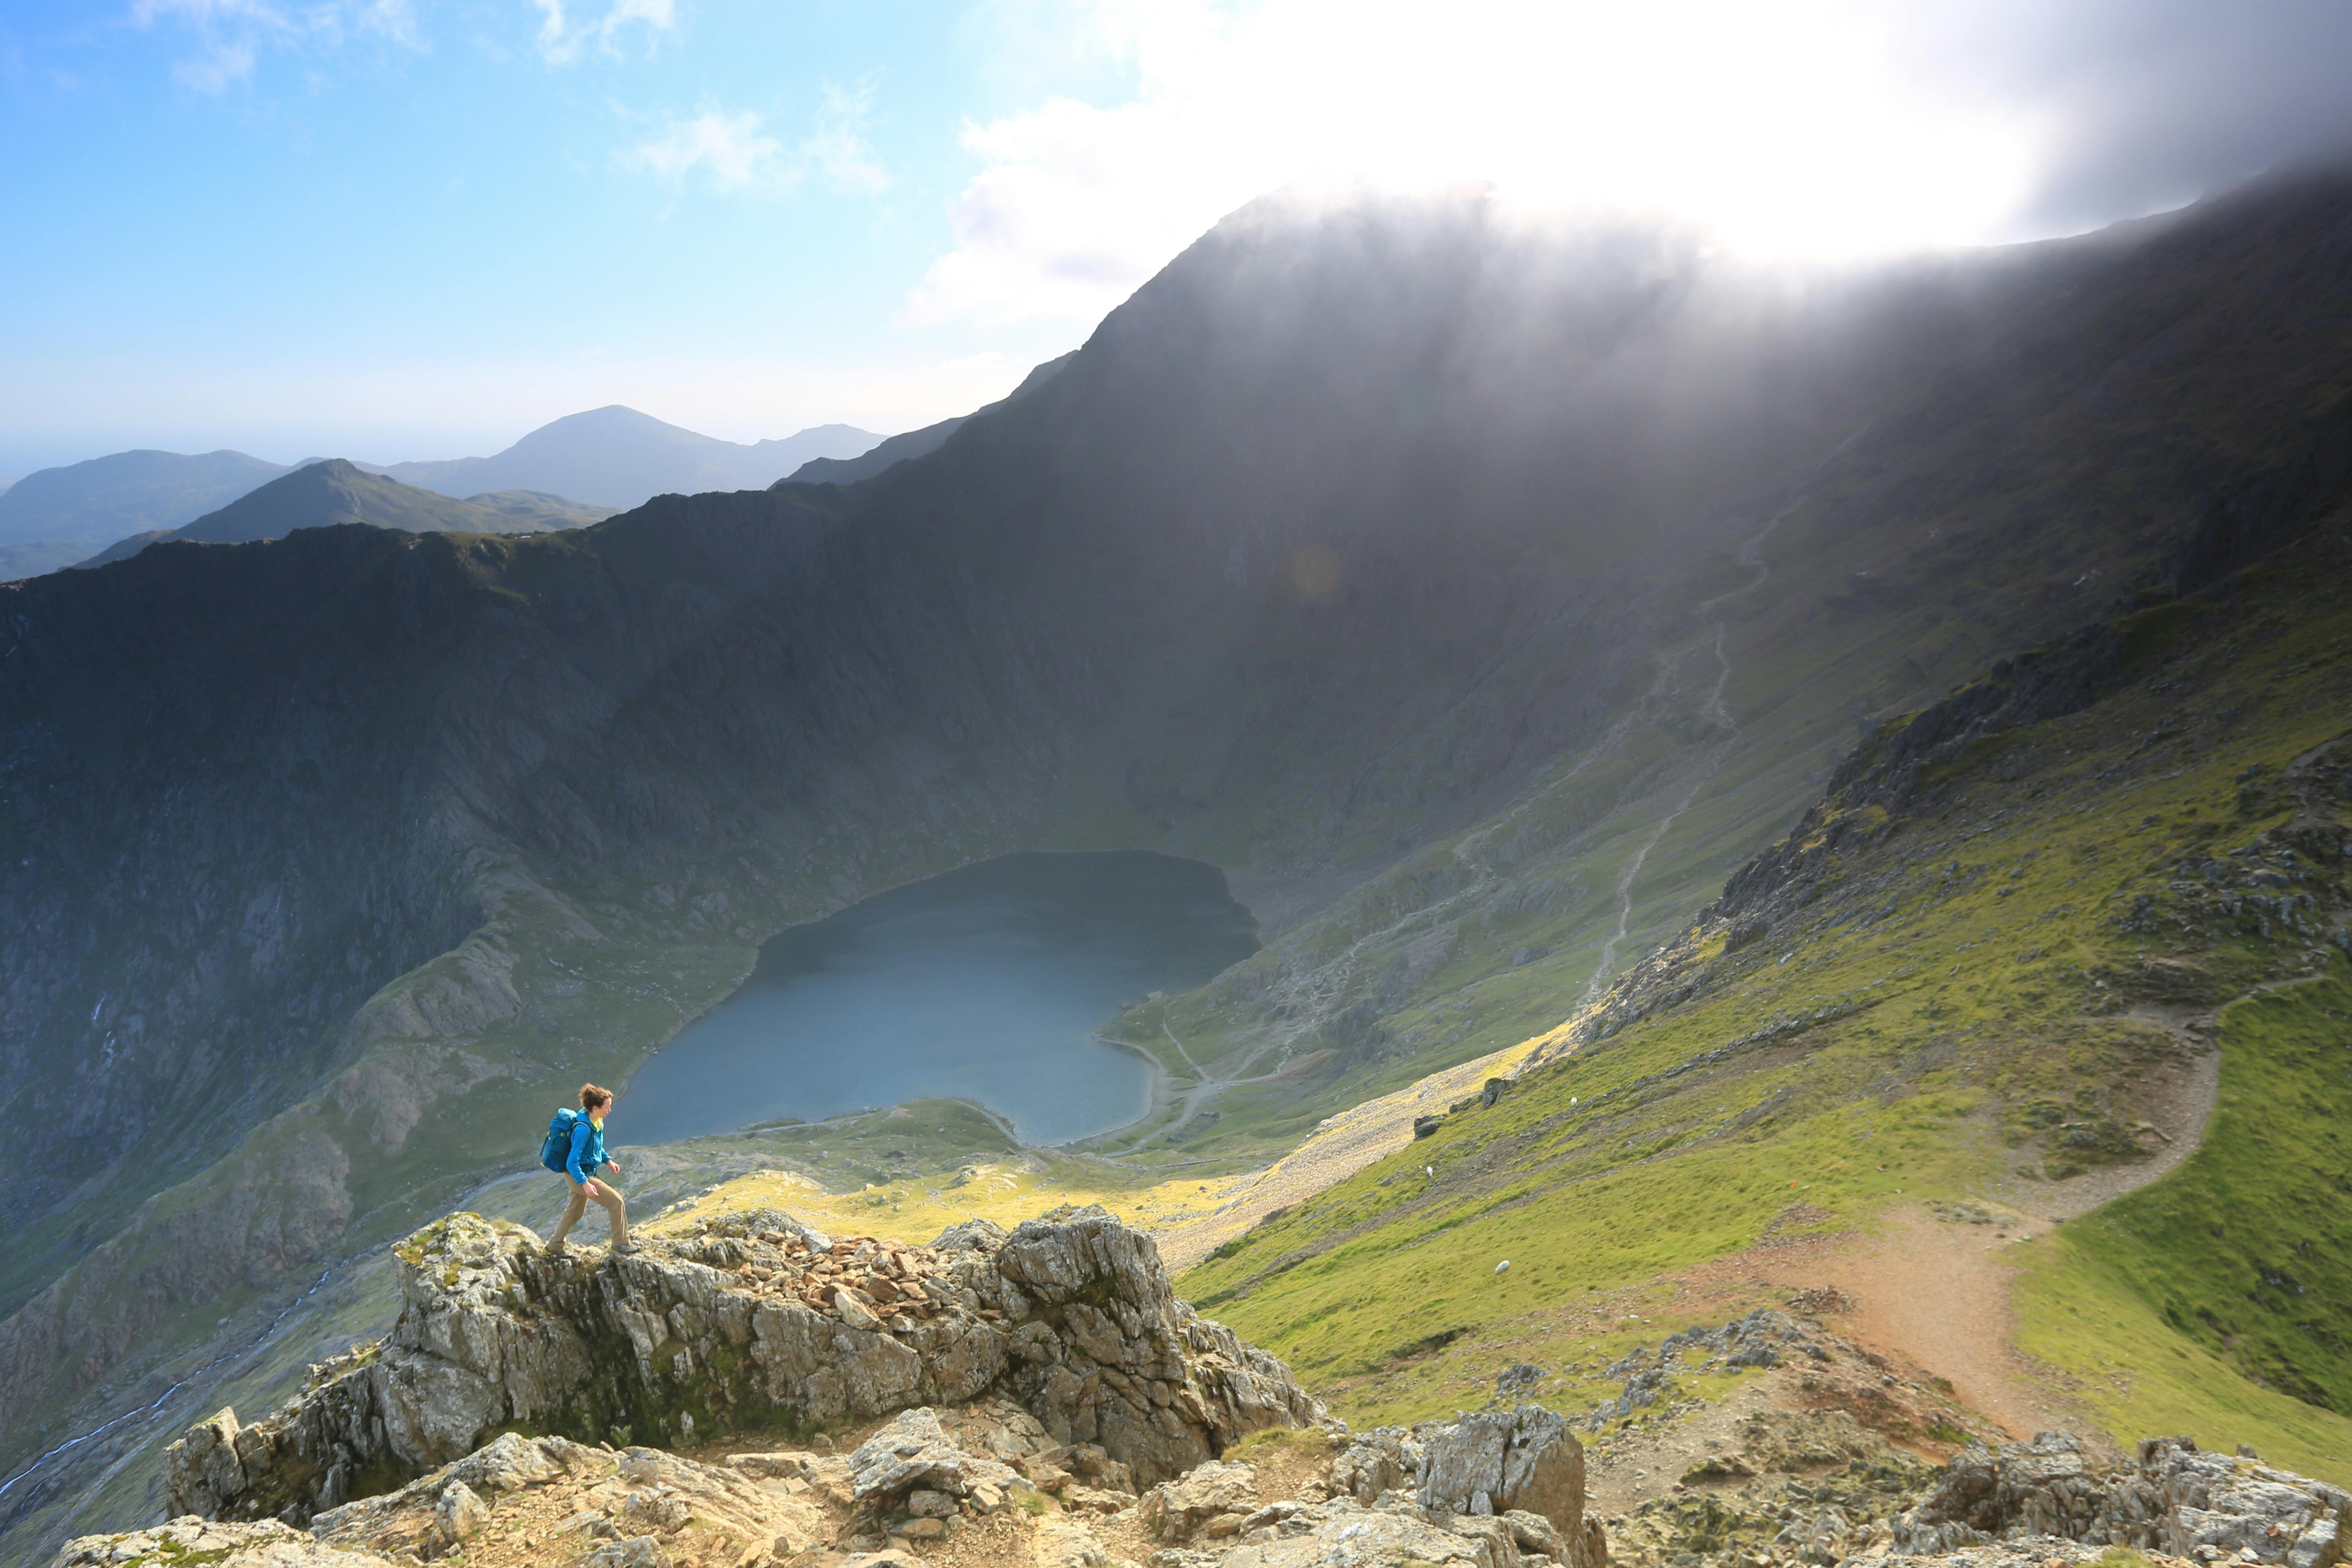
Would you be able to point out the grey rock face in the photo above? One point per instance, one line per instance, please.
(1384, 1459)
(2176, 1499)
(1071, 1320)
(1490, 1462)
(1174, 1509)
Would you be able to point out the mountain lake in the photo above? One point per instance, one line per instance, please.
(985, 983)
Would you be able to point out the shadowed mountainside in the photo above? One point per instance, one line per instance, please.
(912, 443)
(1515, 580)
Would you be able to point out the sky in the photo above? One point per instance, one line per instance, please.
(397, 229)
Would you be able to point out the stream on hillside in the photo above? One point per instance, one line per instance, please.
(986, 983)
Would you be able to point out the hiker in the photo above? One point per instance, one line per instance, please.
(582, 1160)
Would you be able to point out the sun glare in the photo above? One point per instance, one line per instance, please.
(1796, 130)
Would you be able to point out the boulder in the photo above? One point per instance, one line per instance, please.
(457, 1514)
(914, 1451)
(1491, 1462)
(1173, 1510)
(1069, 1324)
(1381, 1460)
(1534, 1533)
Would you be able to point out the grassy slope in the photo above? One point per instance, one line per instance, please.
(1928, 1015)
(2218, 1298)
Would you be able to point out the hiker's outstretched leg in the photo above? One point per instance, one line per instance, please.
(571, 1213)
(617, 1207)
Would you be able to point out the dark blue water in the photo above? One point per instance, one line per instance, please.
(982, 984)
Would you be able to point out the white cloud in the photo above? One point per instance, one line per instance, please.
(215, 68)
(729, 146)
(1786, 126)
(395, 19)
(837, 150)
(737, 152)
(564, 33)
(229, 36)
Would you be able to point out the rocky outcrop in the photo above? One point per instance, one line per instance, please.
(1493, 1489)
(753, 1321)
(265, 1544)
(2177, 1499)
(1490, 1463)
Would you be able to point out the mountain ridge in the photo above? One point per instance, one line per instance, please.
(1381, 542)
(61, 516)
(334, 492)
(95, 502)
(616, 456)
(913, 443)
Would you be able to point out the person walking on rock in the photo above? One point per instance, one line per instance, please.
(586, 1158)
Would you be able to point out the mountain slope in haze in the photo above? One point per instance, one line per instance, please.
(913, 443)
(2060, 962)
(94, 503)
(617, 456)
(2137, 400)
(1493, 591)
(40, 555)
(334, 492)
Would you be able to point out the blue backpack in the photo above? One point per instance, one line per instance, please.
(556, 1153)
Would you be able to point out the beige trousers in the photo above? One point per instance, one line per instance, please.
(607, 1194)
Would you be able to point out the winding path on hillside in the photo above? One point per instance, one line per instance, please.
(1942, 1294)
(1716, 713)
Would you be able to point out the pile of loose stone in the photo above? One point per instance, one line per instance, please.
(864, 1281)
(1764, 1338)
(1815, 1488)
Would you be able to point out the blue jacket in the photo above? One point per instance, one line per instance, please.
(588, 1154)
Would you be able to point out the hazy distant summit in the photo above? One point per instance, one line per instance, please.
(82, 507)
(608, 458)
(335, 491)
(617, 456)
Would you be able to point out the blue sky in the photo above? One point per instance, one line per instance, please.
(416, 229)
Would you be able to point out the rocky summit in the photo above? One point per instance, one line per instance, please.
(756, 1321)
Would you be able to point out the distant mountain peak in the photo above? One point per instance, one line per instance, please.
(621, 456)
(336, 490)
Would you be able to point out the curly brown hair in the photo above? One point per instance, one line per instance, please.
(594, 1099)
